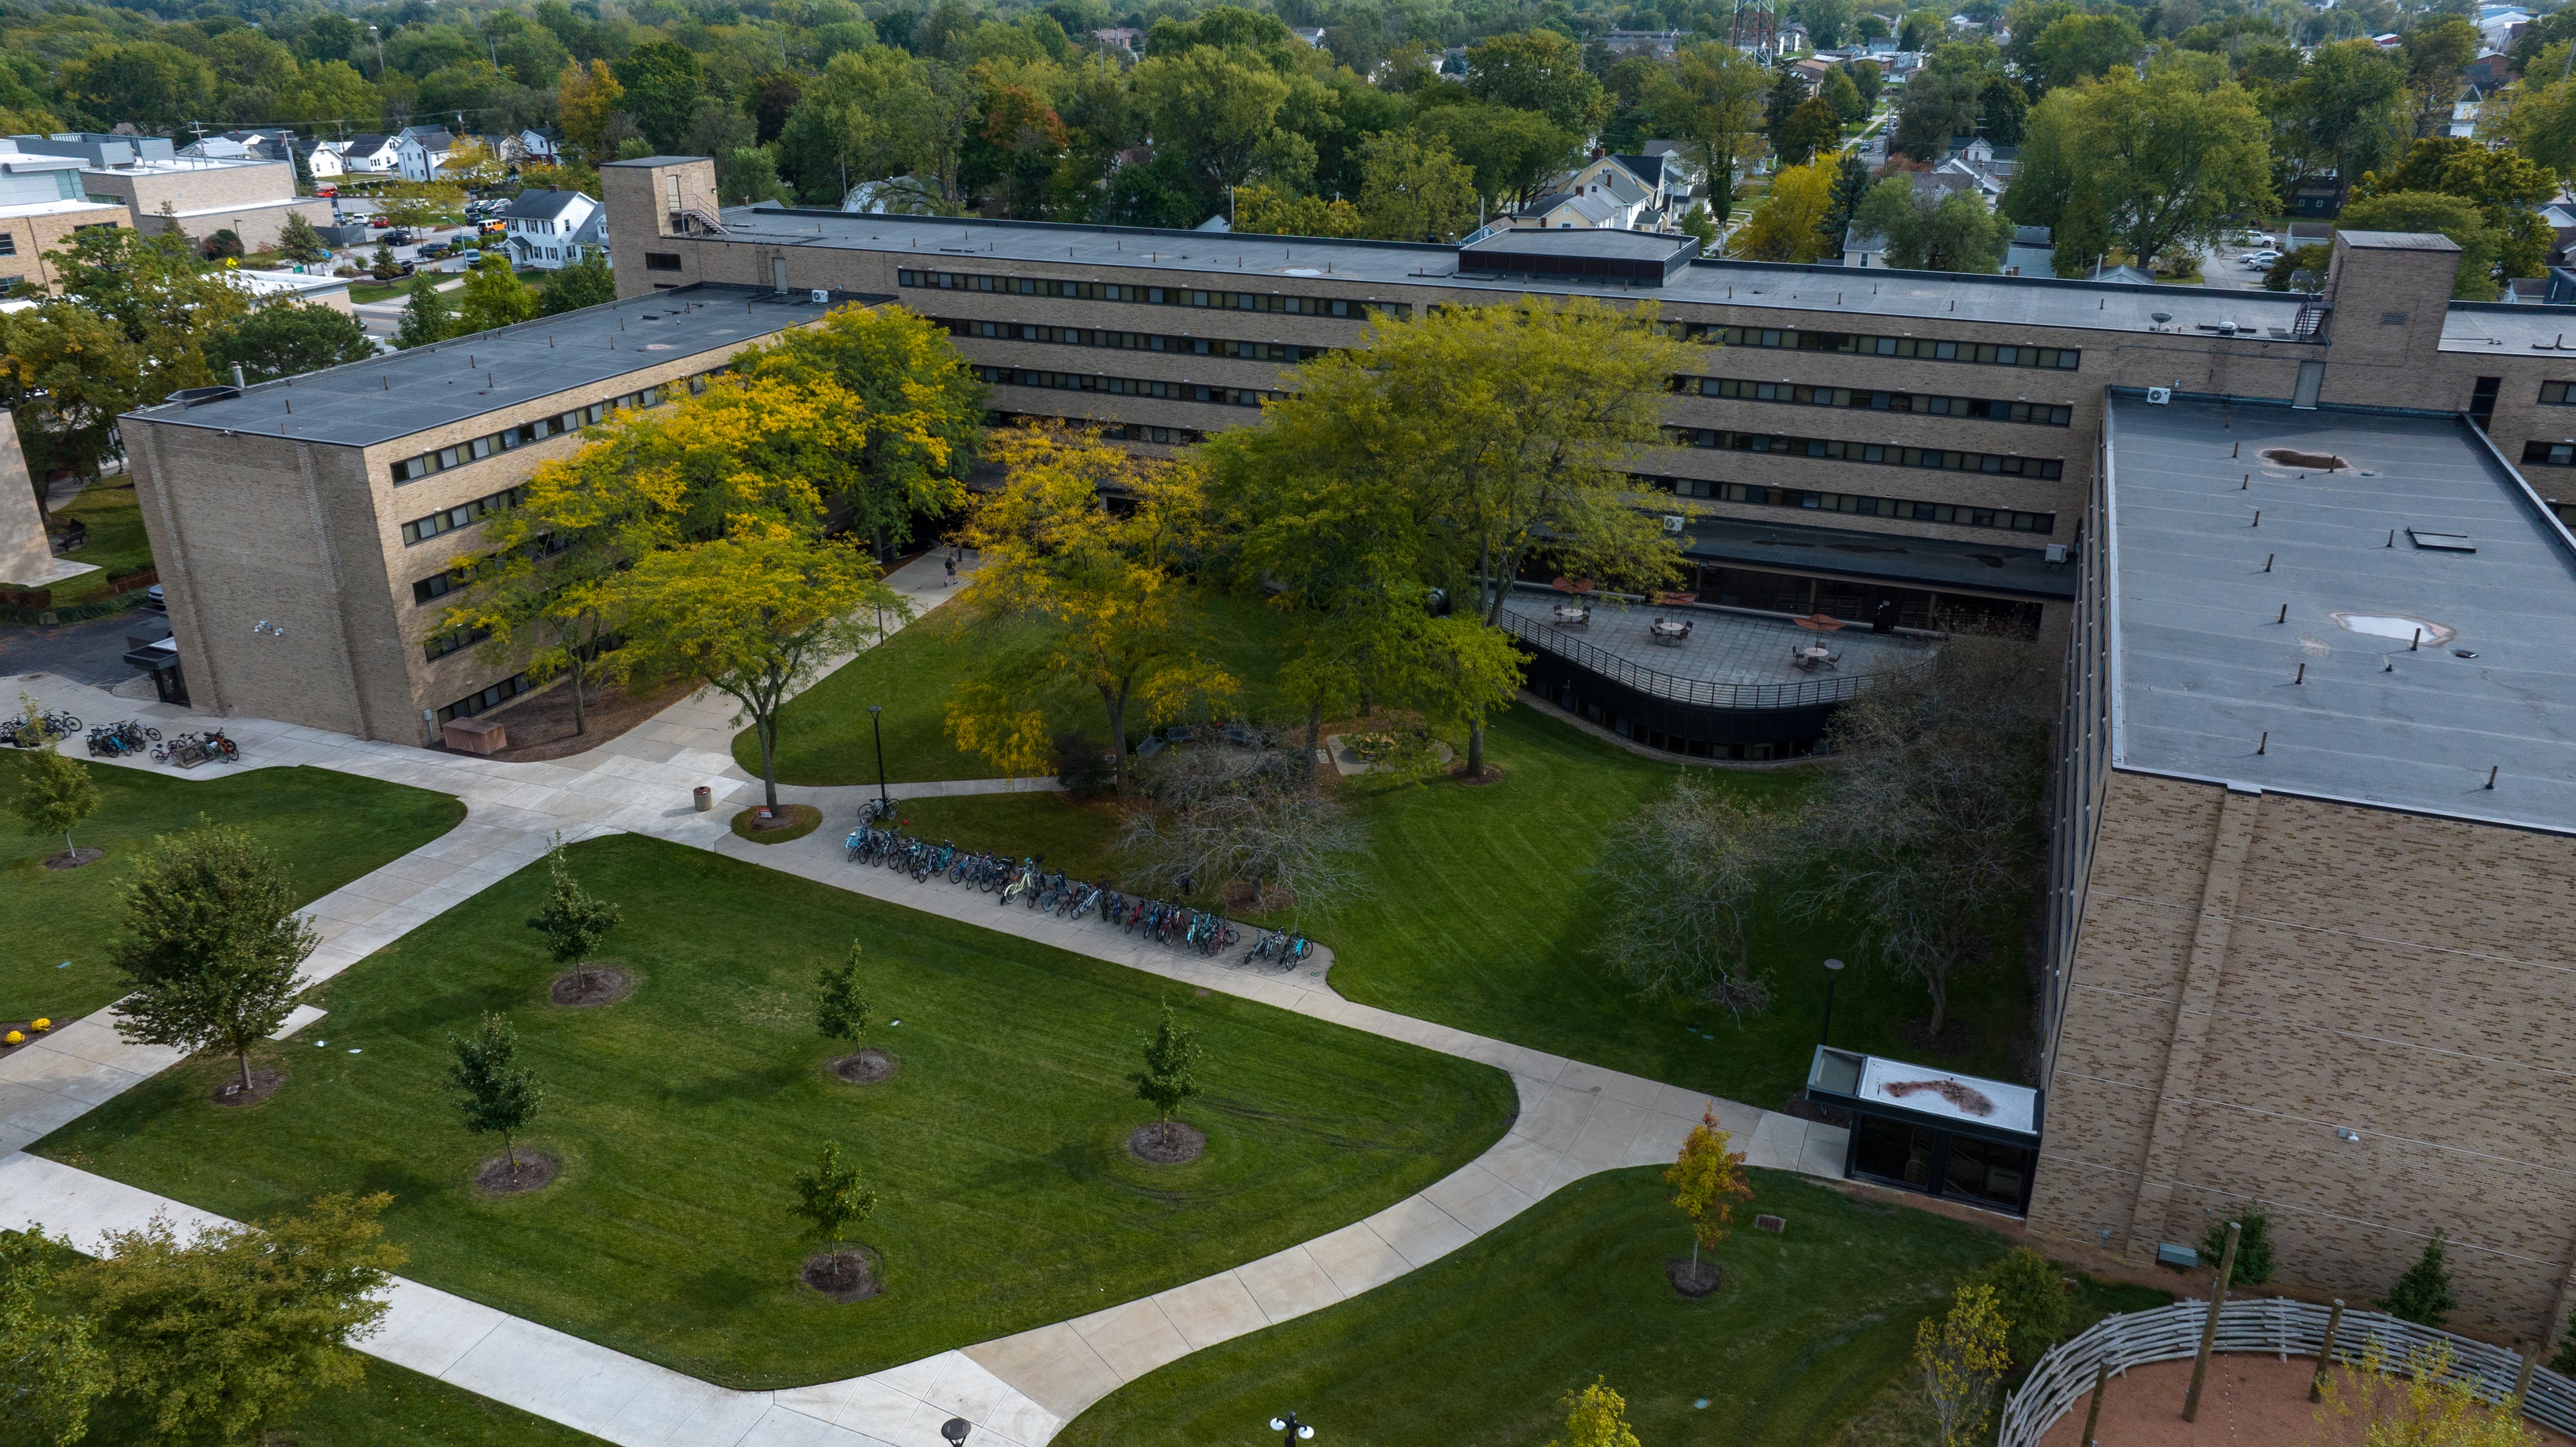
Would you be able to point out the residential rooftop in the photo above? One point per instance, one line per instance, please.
(2264, 610)
(365, 403)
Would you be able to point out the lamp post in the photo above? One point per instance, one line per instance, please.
(1290, 1430)
(379, 39)
(876, 725)
(955, 1430)
(1833, 974)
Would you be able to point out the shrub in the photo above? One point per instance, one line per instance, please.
(2032, 1299)
(1083, 766)
(14, 1037)
(2253, 1245)
(43, 1024)
(2423, 1294)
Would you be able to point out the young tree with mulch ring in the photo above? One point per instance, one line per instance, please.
(842, 1013)
(221, 1335)
(572, 921)
(493, 1090)
(830, 1199)
(1167, 1081)
(215, 946)
(55, 793)
(1596, 1417)
(1707, 1180)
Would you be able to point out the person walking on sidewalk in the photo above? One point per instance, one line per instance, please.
(951, 560)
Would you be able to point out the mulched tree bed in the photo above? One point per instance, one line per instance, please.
(867, 1067)
(74, 858)
(1693, 1279)
(263, 1084)
(850, 1274)
(537, 1170)
(595, 984)
(790, 821)
(26, 1028)
(1157, 1145)
(1493, 775)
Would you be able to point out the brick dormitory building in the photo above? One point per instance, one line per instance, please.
(2298, 951)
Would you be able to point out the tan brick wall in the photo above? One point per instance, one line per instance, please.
(2397, 975)
(33, 236)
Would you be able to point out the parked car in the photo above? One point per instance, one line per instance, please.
(399, 236)
(2261, 260)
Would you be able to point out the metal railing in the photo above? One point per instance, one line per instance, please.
(2064, 1378)
(1804, 693)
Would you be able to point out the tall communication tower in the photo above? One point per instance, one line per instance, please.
(1754, 28)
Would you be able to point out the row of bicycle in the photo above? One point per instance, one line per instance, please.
(1024, 881)
(134, 737)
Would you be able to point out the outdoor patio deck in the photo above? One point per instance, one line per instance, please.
(1730, 660)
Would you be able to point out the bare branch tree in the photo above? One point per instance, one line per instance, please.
(1220, 815)
(1930, 825)
(1685, 877)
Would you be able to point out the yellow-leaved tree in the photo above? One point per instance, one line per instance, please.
(1962, 1357)
(2413, 1403)
(1707, 1180)
(753, 615)
(745, 450)
(1788, 223)
(1098, 587)
(586, 100)
(1596, 1417)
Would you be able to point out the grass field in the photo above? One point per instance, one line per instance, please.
(823, 735)
(1811, 1326)
(1006, 1197)
(327, 828)
(1485, 905)
(117, 545)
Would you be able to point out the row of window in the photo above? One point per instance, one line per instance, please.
(1929, 349)
(2554, 393)
(1860, 505)
(1137, 341)
(1241, 301)
(462, 515)
(1992, 409)
(439, 645)
(1110, 431)
(2551, 454)
(1125, 386)
(498, 694)
(1947, 461)
(413, 469)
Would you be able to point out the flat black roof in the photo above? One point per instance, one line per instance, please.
(1568, 241)
(365, 403)
(2421, 525)
(1859, 556)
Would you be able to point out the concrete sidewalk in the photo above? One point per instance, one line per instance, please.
(1575, 1119)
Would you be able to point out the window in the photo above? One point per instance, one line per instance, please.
(8, 243)
(421, 530)
(1994, 354)
(661, 261)
(439, 586)
(1858, 504)
(1112, 431)
(1991, 409)
(413, 469)
(1247, 301)
(439, 645)
(2556, 393)
(1136, 341)
(1892, 456)
(1126, 386)
(2550, 454)
(474, 703)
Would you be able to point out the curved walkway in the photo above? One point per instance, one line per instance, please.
(1575, 1119)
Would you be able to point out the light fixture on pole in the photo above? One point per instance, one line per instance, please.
(955, 1430)
(876, 724)
(1833, 974)
(1290, 1430)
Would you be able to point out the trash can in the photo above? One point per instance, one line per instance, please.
(706, 798)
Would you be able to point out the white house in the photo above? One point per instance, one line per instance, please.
(370, 155)
(421, 150)
(1596, 211)
(541, 148)
(324, 162)
(550, 230)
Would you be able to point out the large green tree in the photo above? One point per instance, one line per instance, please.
(2144, 167)
(290, 338)
(2506, 187)
(879, 114)
(1953, 231)
(1513, 153)
(2351, 111)
(1541, 71)
(1413, 190)
(51, 1368)
(663, 81)
(2431, 211)
(1710, 99)
(2086, 47)
(213, 944)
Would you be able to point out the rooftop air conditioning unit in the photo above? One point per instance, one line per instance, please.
(2159, 396)
(822, 297)
(1672, 522)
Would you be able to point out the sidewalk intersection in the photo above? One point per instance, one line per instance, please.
(1575, 1119)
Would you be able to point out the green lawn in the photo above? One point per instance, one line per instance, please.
(117, 545)
(1006, 1198)
(1486, 906)
(328, 828)
(1811, 1326)
(823, 735)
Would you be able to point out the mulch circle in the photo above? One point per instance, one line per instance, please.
(867, 1067)
(537, 1170)
(790, 822)
(1693, 1279)
(597, 985)
(849, 1274)
(73, 858)
(1493, 775)
(263, 1084)
(1155, 1147)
